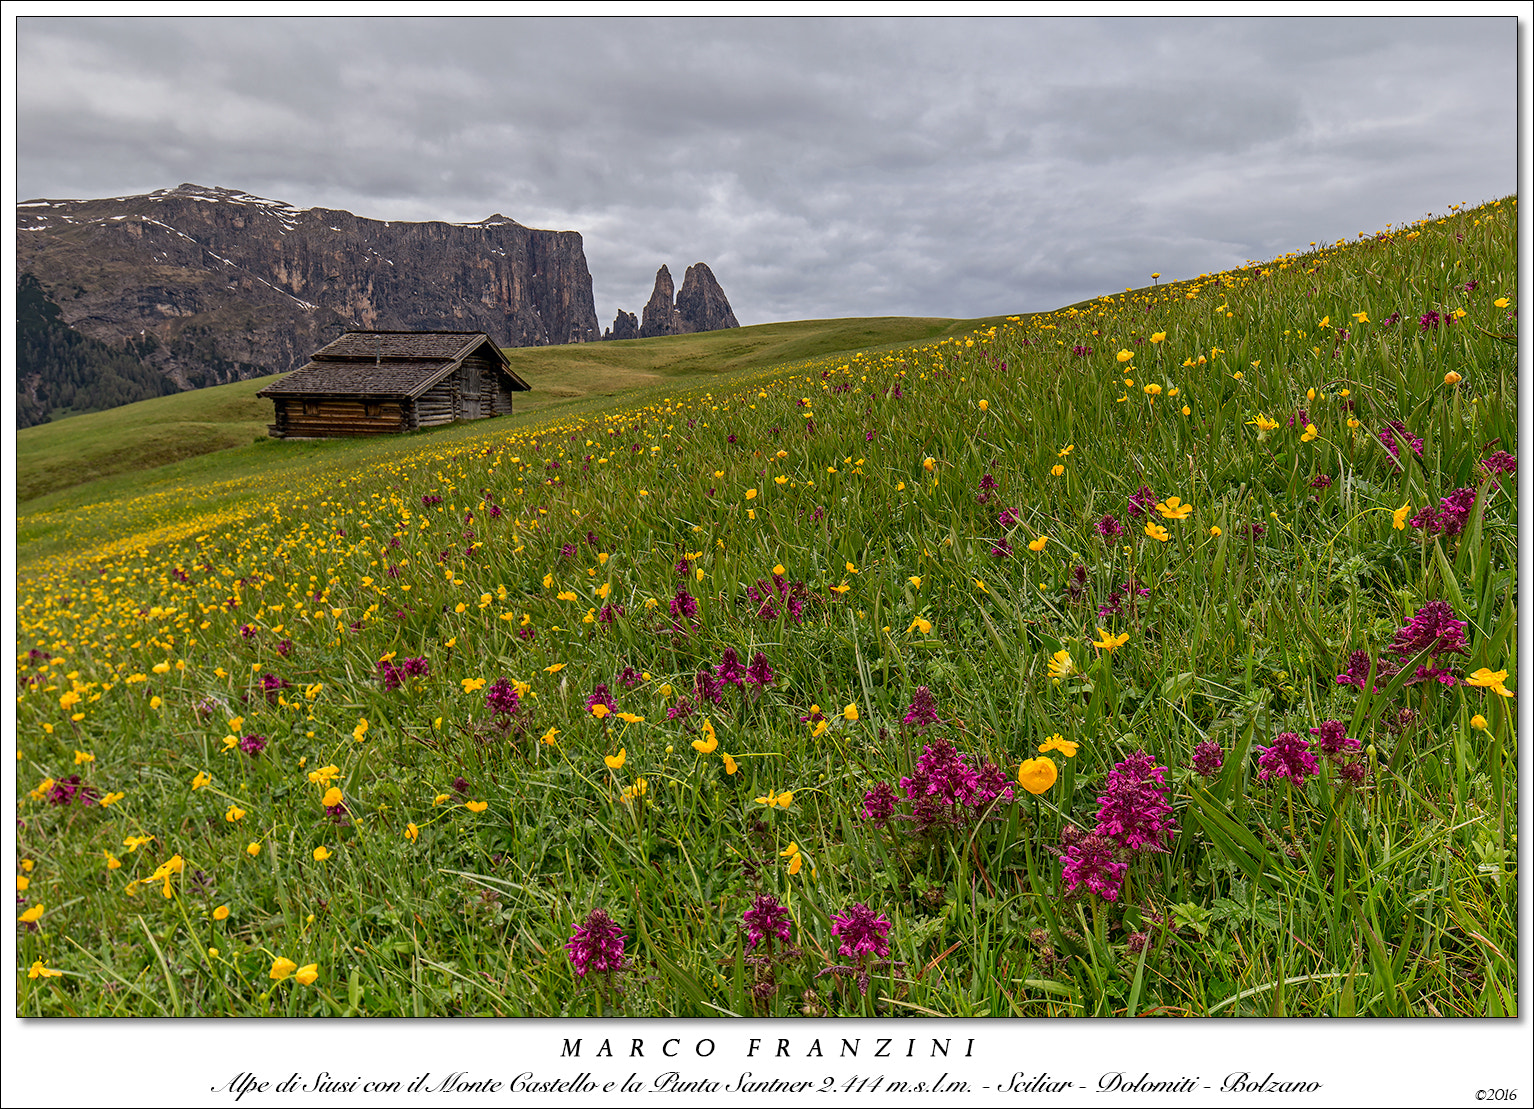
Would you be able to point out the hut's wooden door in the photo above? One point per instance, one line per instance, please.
(472, 389)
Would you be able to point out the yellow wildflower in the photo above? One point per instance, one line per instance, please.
(1057, 742)
(1037, 775)
(706, 745)
(1485, 678)
(1108, 642)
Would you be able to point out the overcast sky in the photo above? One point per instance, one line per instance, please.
(821, 168)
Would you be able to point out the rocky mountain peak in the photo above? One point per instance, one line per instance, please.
(700, 306)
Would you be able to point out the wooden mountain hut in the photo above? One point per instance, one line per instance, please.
(384, 382)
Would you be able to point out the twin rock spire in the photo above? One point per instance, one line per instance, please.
(701, 306)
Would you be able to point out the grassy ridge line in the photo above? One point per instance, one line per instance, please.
(153, 433)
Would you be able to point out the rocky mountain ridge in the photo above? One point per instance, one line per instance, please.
(218, 285)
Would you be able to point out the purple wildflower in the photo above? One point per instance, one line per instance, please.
(252, 745)
(1393, 434)
(1091, 862)
(706, 687)
(66, 791)
(1001, 549)
(730, 669)
(629, 677)
(1321, 481)
(502, 698)
(1449, 518)
(681, 710)
(1429, 320)
(1499, 463)
(760, 672)
(923, 709)
(596, 945)
(1141, 501)
(862, 931)
(1208, 757)
(417, 667)
(1357, 673)
(1433, 629)
(1333, 741)
(1290, 757)
(601, 696)
(1109, 528)
(768, 920)
(684, 605)
(879, 805)
(1133, 808)
(1008, 518)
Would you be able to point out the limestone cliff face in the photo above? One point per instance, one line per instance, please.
(660, 315)
(700, 306)
(231, 285)
(625, 326)
(701, 303)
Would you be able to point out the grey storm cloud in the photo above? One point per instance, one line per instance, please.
(821, 167)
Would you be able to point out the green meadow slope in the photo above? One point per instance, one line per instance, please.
(1153, 656)
(153, 433)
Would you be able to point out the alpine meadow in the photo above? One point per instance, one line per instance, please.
(1151, 656)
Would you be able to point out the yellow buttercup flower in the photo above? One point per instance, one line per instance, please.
(1310, 434)
(615, 762)
(307, 974)
(1262, 423)
(476, 806)
(922, 625)
(332, 797)
(850, 713)
(1057, 742)
(221, 913)
(38, 970)
(1061, 665)
(1039, 543)
(1108, 642)
(1485, 678)
(282, 968)
(1037, 775)
(1399, 516)
(203, 778)
(412, 833)
(600, 711)
(1156, 531)
(710, 742)
(729, 763)
(1125, 355)
(1173, 509)
(321, 853)
(1452, 378)
(324, 775)
(234, 813)
(252, 849)
(1478, 722)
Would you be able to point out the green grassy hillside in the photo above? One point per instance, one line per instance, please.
(153, 433)
(1154, 656)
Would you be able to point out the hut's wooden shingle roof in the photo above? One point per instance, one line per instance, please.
(387, 364)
